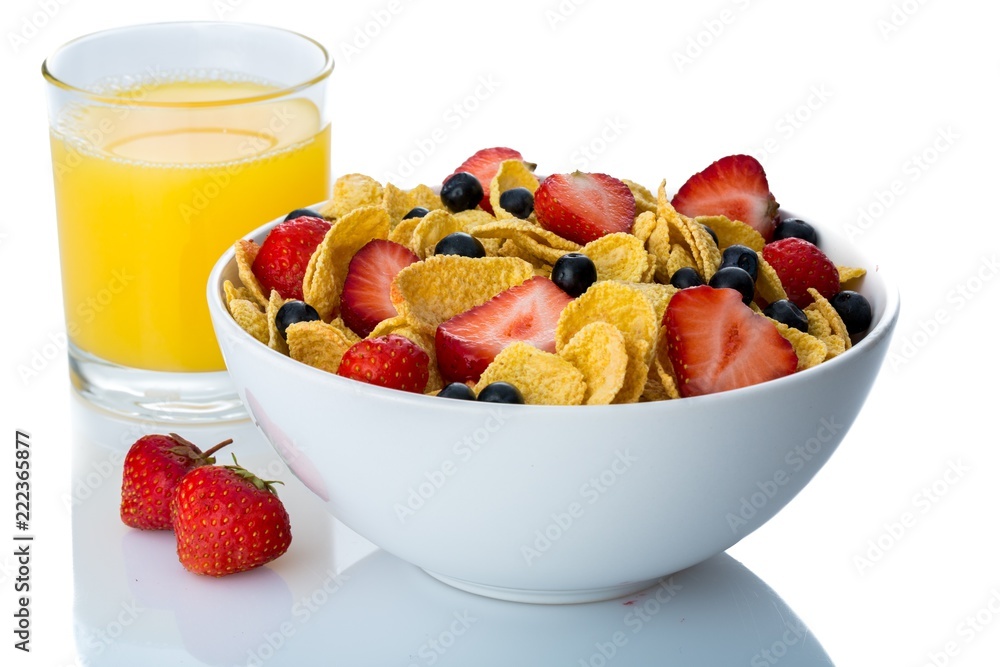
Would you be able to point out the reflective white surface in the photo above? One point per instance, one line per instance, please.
(334, 595)
(883, 113)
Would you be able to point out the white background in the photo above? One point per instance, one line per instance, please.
(838, 102)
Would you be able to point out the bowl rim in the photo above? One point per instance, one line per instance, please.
(882, 329)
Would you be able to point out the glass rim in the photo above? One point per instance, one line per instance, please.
(322, 74)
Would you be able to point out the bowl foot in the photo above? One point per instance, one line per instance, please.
(545, 596)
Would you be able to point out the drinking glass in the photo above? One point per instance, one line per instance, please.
(169, 142)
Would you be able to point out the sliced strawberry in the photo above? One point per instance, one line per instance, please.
(365, 300)
(391, 361)
(801, 265)
(467, 343)
(716, 343)
(583, 207)
(484, 165)
(735, 187)
(284, 254)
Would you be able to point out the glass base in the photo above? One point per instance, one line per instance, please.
(155, 395)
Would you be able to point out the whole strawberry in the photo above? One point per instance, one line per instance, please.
(153, 466)
(284, 255)
(391, 361)
(801, 265)
(228, 520)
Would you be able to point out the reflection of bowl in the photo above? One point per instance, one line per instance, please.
(557, 504)
(715, 613)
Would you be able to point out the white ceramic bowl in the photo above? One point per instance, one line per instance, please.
(547, 503)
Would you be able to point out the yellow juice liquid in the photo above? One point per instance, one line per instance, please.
(148, 198)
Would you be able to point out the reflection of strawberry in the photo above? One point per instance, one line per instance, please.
(153, 466)
(391, 361)
(716, 343)
(365, 300)
(484, 165)
(735, 187)
(467, 343)
(583, 207)
(801, 265)
(228, 520)
(284, 254)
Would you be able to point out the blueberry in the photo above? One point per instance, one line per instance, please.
(416, 212)
(711, 232)
(854, 309)
(735, 278)
(686, 277)
(574, 272)
(519, 202)
(458, 390)
(299, 212)
(501, 392)
(461, 192)
(788, 313)
(460, 243)
(795, 228)
(742, 257)
(292, 312)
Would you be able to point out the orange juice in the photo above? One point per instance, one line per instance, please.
(148, 197)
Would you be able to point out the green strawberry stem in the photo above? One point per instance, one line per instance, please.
(259, 484)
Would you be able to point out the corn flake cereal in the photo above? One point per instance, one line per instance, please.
(707, 257)
(819, 326)
(768, 283)
(830, 314)
(543, 378)
(402, 233)
(510, 174)
(811, 351)
(396, 202)
(666, 212)
(618, 256)
(246, 253)
(598, 351)
(732, 232)
(432, 228)
(631, 313)
(472, 218)
(274, 339)
(513, 228)
(425, 197)
(324, 277)
(643, 226)
(251, 319)
(849, 273)
(664, 371)
(678, 259)
(614, 303)
(344, 329)
(233, 292)
(317, 344)
(636, 370)
(443, 286)
(657, 295)
(645, 202)
(353, 191)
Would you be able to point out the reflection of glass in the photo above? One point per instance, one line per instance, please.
(331, 601)
(170, 141)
